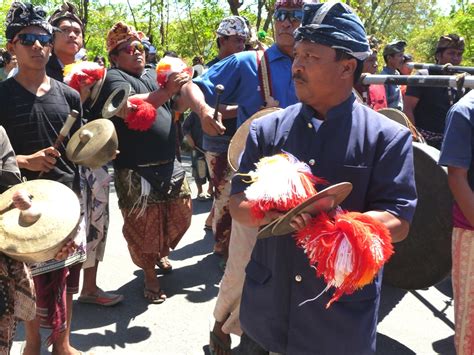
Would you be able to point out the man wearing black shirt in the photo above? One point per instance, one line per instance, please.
(34, 109)
(427, 107)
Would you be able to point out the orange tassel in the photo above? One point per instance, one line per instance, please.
(347, 251)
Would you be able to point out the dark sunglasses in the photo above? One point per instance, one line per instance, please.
(132, 47)
(292, 15)
(28, 39)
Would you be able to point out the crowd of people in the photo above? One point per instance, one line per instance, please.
(328, 120)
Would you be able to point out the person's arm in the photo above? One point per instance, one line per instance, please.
(462, 192)
(239, 208)
(398, 227)
(193, 98)
(43, 160)
(190, 141)
(409, 105)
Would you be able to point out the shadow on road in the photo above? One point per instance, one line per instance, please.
(389, 299)
(389, 346)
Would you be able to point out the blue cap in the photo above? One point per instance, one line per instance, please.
(335, 25)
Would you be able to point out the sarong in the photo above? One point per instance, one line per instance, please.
(17, 299)
(154, 228)
(221, 176)
(96, 194)
(463, 290)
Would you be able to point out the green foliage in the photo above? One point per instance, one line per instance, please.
(422, 40)
(188, 27)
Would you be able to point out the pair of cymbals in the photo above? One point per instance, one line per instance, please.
(323, 201)
(55, 218)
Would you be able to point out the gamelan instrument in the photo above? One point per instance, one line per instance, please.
(114, 102)
(447, 68)
(239, 139)
(325, 200)
(399, 117)
(94, 144)
(38, 233)
(419, 80)
(424, 257)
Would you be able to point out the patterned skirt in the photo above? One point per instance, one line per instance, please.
(153, 223)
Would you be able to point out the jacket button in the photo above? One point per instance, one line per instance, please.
(298, 278)
(312, 162)
(310, 125)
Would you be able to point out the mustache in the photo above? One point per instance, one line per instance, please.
(298, 76)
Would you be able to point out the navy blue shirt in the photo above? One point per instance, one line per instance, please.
(393, 92)
(355, 144)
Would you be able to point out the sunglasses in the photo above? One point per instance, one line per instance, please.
(28, 39)
(132, 47)
(292, 15)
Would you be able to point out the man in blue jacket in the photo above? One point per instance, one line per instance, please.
(341, 140)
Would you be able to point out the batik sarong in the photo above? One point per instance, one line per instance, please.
(221, 176)
(96, 194)
(153, 224)
(463, 290)
(17, 299)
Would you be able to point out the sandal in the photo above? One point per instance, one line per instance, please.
(217, 345)
(165, 265)
(154, 296)
(101, 298)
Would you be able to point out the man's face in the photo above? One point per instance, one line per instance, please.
(284, 29)
(395, 61)
(370, 64)
(450, 55)
(232, 44)
(130, 56)
(69, 41)
(316, 72)
(32, 47)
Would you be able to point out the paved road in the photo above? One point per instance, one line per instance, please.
(418, 322)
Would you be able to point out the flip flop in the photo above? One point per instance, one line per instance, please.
(102, 298)
(215, 343)
(153, 296)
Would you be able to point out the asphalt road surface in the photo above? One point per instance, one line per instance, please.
(415, 322)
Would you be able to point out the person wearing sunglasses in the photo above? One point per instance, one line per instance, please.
(34, 109)
(156, 215)
(251, 88)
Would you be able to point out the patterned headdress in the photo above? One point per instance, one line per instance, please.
(450, 41)
(334, 24)
(120, 33)
(22, 15)
(233, 26)
(65, 11)
(288, 3)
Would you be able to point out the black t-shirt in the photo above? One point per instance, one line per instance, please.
(33, 123)
(137, 147)
(433, 105)
(54, 69)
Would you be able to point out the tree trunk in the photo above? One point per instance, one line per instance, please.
(234, 6)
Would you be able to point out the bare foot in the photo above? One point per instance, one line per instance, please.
(152, 291)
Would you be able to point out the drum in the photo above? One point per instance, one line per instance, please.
(400, 117)
(238, 141)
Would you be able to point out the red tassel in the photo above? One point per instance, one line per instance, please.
(348, 251)
(143, 117)
(86, 77)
